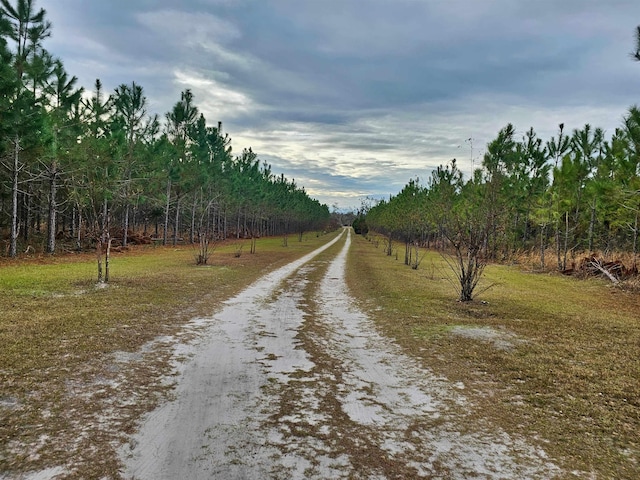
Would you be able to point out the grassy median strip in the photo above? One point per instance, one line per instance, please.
(554, 359)
(77, 359)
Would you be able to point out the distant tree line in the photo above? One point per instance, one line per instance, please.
(94, 167)
(577, 192)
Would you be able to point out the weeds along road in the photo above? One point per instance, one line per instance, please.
(291, 381)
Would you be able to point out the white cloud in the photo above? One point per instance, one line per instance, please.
(213, 98)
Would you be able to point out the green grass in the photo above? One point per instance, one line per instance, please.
(570, 380)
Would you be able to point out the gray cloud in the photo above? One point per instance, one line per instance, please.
(357, 96)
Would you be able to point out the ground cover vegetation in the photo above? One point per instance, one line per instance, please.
(84, 169)
(80, 363)
(548, 357)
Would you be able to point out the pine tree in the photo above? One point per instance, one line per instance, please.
(26, 28)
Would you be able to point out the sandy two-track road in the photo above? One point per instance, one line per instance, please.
(291, 381)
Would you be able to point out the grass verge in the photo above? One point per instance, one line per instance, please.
(551, 358)
(80, 364)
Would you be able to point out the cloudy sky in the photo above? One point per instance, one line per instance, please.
(352, 98)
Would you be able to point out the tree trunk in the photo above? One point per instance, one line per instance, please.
(415, 261)
(13, 246)
(192, 237)
(104, 243)
(107, 258)
(543, 241)
(566, 240)
(166, 214)
(72, 229)
(177, 221)
(125, 226)
(635, 242)
(125, 232)
(27, 214)
(468, 268)
(218, 230)
(207, 230)
(558, 251)
(591, 225)
(134, 216)
(51, 224)
(285, 239)
(407, 252)
(244, 230)
(79, 230)
(99, 258)
(525, 233)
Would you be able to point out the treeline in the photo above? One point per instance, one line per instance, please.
(577, 192)
(91, 167)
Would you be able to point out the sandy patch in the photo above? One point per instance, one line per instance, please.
(501, 339)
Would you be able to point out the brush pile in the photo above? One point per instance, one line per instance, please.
(593, 266)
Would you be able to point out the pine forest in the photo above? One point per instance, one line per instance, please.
(90, 168)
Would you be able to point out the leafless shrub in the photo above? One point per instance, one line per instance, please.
(204, 249)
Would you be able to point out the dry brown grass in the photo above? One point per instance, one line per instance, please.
(563, 370)
(80, 364)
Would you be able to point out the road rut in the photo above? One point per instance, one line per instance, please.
(291, 380)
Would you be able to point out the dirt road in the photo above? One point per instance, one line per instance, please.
(290, 381)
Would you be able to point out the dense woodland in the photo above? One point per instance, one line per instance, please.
(89, 168)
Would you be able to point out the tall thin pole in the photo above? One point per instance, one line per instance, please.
(470, 140)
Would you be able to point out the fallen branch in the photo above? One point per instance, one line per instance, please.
(596, 264)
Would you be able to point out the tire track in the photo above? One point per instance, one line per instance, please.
(290, 380)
